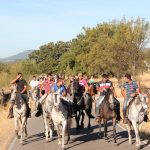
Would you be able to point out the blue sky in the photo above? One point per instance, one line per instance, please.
(27, 24)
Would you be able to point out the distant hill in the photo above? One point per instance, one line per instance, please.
(21, 56)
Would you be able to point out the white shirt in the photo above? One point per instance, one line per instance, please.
(33, 84)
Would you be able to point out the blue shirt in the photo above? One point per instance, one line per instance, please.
(130, 88)
(60, 89)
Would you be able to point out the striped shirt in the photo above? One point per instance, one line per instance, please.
(130, 88)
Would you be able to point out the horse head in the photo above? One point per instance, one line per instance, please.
(110, 99)
(13, 92)
(142, 99)
(34, 93)
(56, 100)
(87, 101)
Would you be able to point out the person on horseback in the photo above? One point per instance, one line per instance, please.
(104, 86)
(21, 92)
(46, 85)
(129, 90)
(60, 88)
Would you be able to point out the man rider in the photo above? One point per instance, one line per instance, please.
(103, 87)
(129, 90)
(21, 92)
(46, 85)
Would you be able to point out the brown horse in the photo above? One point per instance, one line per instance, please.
(107, 112)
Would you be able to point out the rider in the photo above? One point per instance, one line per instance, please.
(47, 84)
(104, 87)
(129, 90)
(21, 91)
(83, 84)
(33, 84)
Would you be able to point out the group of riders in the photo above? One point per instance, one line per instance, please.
(75, 86)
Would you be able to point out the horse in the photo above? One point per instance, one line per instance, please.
(136, 111)
(5, 94)
(33, 95)
(46, 112)
(81, 102)
(60, 119)
(20, 114)
(107, 112)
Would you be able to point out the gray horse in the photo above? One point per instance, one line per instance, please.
(60, 118)
(20, 114)
(136, 111)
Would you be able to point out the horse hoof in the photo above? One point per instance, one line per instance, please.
(115, 144)
(51, 139)
(99, 135)
(26, 135)
(47, 141)
(130, 143)
(78, 128)
(106, 138)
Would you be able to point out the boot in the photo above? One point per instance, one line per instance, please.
(28, 111)
(39, 110)
(146, 119)
(10, 115)
(117, 110)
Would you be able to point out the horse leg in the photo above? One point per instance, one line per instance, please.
(83, 115)
(59, 134)
(51, 130)
(64, 127)
(16, 125)
(136, 129)
(26, 133)
(22, 125)
(129, 132)
(88, 112)
(99, 134)
(46, 122)
(114, 129)
(77, 117)
(105, 129)
(68, 129)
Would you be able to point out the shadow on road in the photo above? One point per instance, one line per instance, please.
(34, 138)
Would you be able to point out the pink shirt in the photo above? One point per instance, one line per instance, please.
(47, 86)
(83, 82)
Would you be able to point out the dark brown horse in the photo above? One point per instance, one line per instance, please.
(107, 113)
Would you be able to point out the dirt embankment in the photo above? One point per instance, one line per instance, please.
(6, 128)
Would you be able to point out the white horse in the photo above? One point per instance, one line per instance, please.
(60, 119)
(136, 111)
(48, 123)
(20, 114)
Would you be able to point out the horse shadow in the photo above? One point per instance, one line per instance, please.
(87, 135)
(34, 138)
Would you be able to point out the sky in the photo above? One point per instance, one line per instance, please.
(28, 24)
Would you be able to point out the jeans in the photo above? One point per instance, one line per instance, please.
(98, 103)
